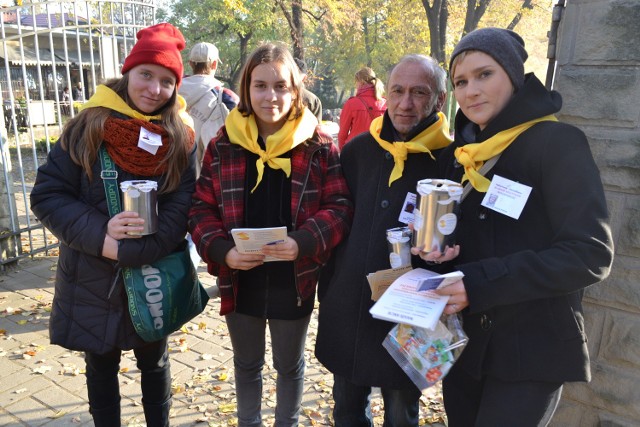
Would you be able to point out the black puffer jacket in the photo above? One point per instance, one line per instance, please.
(74, 209)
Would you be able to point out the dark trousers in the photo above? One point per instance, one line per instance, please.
(490, 402)
(104, 389)
(352, 405)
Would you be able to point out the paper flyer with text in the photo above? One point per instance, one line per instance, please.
(410, 298)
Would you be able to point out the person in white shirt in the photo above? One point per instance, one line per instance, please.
(208, 102)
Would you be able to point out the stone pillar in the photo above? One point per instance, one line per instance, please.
(598, 75)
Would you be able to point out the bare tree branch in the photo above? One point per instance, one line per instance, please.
(310, 14)
(526, 4)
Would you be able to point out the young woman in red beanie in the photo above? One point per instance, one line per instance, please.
(90, 311)
(269, 168)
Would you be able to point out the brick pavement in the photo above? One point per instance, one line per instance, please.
(44, 385)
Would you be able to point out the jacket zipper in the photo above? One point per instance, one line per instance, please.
(295, 218)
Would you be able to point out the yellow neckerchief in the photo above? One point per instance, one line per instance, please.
(243, 131)
(105, 97)
(473, 156)
(434, 137)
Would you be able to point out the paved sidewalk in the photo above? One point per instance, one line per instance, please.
(44, 385)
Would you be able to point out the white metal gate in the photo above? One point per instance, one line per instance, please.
(53, 54)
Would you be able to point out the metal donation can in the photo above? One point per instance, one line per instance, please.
(141, 197)
(399, 246)
(434, 218)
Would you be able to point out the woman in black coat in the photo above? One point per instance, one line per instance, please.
(533, 234)
(90, 310)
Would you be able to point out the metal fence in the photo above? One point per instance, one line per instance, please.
(53, 54)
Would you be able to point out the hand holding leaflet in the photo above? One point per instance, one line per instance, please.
(406, 302)
(251, 240)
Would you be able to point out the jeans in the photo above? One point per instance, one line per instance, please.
(401, 407)
(103, 387)
(287, 341)
(492, 402)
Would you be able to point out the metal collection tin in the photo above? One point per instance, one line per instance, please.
(141, 197)
(434, 217)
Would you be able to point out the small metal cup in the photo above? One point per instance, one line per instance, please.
(399, 246)
(141, 197)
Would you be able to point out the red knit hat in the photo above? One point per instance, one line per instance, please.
(160, 45)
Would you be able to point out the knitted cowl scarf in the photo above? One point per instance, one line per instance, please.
(121, 141)
(121, 135)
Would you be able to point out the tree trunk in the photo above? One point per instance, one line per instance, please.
(437, 17)
(296, 26)
(297, 35)
(367, 43)
(475, 11)
(244, 53)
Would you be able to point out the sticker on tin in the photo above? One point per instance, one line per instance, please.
(418, 219)
(447, 223)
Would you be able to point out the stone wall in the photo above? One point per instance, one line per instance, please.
(598, 75)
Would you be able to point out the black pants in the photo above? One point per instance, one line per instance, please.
(352, 408)
(491, 402)
(103, 386)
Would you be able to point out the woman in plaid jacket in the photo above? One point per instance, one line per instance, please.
(269, 167)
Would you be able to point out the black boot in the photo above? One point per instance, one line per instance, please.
(106, 417)
(157, 415)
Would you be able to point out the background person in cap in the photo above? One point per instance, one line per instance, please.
(90, 311)
(204, 95)
(312, 102)
(524, 272)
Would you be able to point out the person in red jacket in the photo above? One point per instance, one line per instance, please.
(360, 110)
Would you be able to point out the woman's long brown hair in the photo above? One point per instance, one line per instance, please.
(83, 135)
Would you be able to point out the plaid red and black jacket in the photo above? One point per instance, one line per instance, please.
(321, 210)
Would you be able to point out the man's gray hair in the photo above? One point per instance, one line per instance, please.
(439, 76)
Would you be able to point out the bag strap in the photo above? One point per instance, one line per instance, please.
(366, 107)
(486, 167)
(109, 176)
(202, 95)
(220, 103)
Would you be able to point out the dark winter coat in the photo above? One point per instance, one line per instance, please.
(321, 210)
(313, 103)
(74, 209)
(525, 278)
(349, 341)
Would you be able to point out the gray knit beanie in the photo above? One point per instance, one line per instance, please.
(505, 46)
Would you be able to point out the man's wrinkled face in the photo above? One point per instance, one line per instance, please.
(410, 96)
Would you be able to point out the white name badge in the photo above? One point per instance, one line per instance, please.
(149, 141)
(506, 197)
(406, 215)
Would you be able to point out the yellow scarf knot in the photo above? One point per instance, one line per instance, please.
(432, 138)
(473, 156)
(243, 131)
